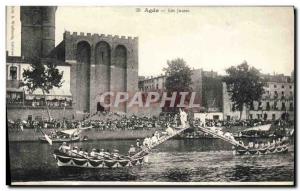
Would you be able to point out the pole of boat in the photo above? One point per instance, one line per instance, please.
(64, 114)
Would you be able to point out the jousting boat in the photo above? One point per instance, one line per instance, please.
(261, 151)
(141, 157)
(64, 160)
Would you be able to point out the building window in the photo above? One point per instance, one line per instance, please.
(215, 117)
(275, 94)
(273, 116)
(268, 106)
(290, 87)
(275, 105)
(13, 72)
(259, 106)
(251, 116)
(265, 116)
(282, 86)
(283, 107)
(282, 95)
(275, 86)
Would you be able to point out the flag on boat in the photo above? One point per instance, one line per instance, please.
(259, 128)
(74, 132)
(46, 137)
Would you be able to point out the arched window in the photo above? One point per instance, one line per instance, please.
(102, 53)
(121, 56)
(83, 53)
(83, 57)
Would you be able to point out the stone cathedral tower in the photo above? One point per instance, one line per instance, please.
(37, 30)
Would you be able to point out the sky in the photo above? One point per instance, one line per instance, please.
(212, 38)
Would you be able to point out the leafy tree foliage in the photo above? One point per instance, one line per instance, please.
(178, 76)
(43, 76)
(178, 79)
(244, 85)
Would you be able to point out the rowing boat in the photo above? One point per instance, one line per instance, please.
(79, 161)
(261, 151)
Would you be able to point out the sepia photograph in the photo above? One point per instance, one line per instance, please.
(150, 95)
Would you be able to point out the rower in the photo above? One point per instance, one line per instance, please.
(241, 143)
(93, 153)
(131, 150)
(62, 148)
(107, 153)
(74, 151)
(138, 144)
(101, 153)
(81, 151)
(115, 154)
(250, 144)
(85, 153)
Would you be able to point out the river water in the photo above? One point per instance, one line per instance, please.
(189, 160)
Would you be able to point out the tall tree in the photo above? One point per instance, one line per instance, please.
(42, 76)
(178, 77)
(244, 85)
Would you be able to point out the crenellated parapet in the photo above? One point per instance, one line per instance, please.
(114, 41)
(98, 37)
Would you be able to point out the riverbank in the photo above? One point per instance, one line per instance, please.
(96, 134)
(92, 134)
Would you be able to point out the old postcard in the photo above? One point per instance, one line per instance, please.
(154, 95)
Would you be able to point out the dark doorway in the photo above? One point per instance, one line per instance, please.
(100, 107)
(265, 116)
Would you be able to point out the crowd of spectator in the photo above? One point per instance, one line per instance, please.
(119, 121)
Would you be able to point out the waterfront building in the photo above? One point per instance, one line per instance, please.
(206, 84)
(277, 101)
